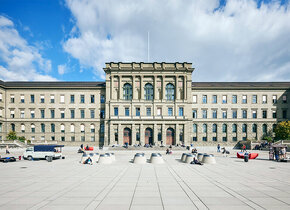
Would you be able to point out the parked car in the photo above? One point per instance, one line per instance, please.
(7, 159)
(43, 152)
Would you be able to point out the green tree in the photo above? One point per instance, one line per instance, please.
(283, 130)
(21, 138)
(12, 135)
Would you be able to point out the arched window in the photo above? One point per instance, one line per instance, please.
(244, 128)
(127, 91)
(204, 128)
(52, 127)
(0, 127)
(82, 128)
(42, 127)
(194, 127)
(148, 92)
(170, 92)
(254, 128)
(13, 127)
(92, 128)
(62, 128)
(274, 127)
(234, 128)
(32, 128)
(214, 128)
(72, 128)
(225, 128)
(22, 128)
(264, 128)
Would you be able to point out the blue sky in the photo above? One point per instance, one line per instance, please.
(70, 40)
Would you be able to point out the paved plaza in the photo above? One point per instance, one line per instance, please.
(67, 184)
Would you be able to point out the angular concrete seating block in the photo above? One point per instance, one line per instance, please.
(209, 159)
(105, 159)
(156, 158)
(183, 157)
(200, 156)
(139, 158)
(189, 158)
(96, 158)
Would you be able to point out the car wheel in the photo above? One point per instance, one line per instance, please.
(29, 158)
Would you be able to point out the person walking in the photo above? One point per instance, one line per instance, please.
(7, 151)
(218, 148)
(244, 148)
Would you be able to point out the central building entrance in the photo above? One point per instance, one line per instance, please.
(148, 136)
(127, 136)
(170, 136)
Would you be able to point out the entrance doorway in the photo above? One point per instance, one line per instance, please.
(148, 136)
(170, 136)
(127, 136)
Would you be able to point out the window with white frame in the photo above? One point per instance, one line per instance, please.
(194, 99)
(244, 100)
(12, 98)
(32, 114)
(159, 111)
(22, 128)
(12, 113)
(22, 99)
(264, 100)
(1, 97)
(62, 128)
(72, 128)
(42, 99)
(61, 98)
(22, 114)
(52, 99)
(1, 113)
(82, 128)
(274, 99)
(224, 99)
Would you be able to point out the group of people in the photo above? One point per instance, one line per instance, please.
(261, 146)
(81, 149)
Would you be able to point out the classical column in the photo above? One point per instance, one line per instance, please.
(163, 134)
(141, 87)
(155, 88)
(163, 88)
(177, 135)
(111, 135)
(120, 88)
(111, 87)
(177, 97)
(120, 135)
(142, 135)
(133, 134)
(133, 88)
(185, 88)
(155, 135)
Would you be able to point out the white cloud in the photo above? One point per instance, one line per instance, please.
(238, 42)
(61, 69)
(18, 59)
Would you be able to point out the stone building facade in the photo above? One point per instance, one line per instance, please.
(139, 103)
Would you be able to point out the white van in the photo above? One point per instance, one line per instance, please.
(43, 152)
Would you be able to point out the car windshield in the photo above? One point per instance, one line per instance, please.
(29, 149)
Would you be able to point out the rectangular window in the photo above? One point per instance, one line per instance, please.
(214, 138)
(194, 99)
(62, 99)
(224, 138)
(264, 99)
(62, 115)
(254, 99)
(224, 114)
(170, 111)
(22, 99)
(214, 99)
(284, 98)
(148, 111)
(52, 113)
(92, 98)
(102, 128)
(254, 114)
(72, 99)
(194, 113)
(52, 99)
(274, 99)
(284, 114)
(204, 99)
(244, 100)
(214, 128)
(92, 138)
(72, 138)
(83, 138)
(224, 99)
(137, 136)
(204, 114)
(42, 113)
(204, 138)
(102, 99)
(244, 114)
(159, 111)
(1, 97)
(214, 114)
(102, 114)
(137, 111)
(234, 138)
(12, 99)
(52, 128)
(127, 111)
(235, 114)
(72, 113)
(22, 114)
(62, 138)
(274, 114)
(1, 113)
(82, 101)
(234, 99)
(42, 99)
(92, 113)
(42, 128)
(180, 113)
(194, 138)
(32, 98)
(116, 111)
(82, 113)
(264, 114)
(194, 128)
